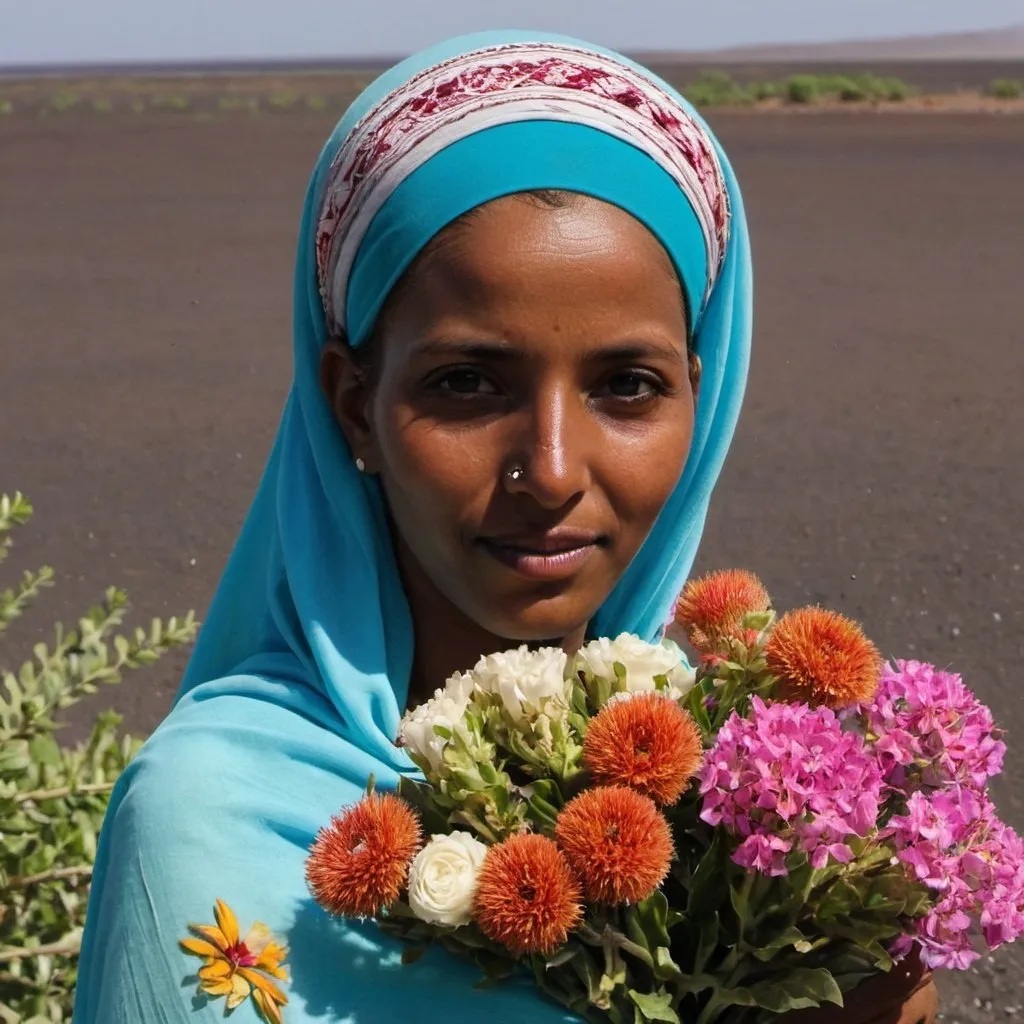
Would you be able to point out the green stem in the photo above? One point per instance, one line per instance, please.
(59, 948)
(711, 1011)
(748, 885)
(78, 871)
(38, 795)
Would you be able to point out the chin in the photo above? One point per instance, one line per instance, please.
(545, 619)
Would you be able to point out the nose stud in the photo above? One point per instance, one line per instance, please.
(515, 474)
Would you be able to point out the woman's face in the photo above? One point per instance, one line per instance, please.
(530, 410)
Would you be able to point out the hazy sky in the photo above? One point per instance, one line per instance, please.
(57, 31)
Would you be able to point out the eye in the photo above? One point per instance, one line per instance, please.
(631, 385)
(464, 381)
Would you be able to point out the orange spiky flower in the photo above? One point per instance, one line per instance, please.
(648, 743)
(618, 843)
(360, 862)
(527, 897)
(711, 608)
(822, 657)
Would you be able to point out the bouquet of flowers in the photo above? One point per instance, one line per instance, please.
(654, 843)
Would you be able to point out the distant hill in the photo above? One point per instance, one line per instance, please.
(997, 44)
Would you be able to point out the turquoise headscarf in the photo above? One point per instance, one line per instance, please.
(295, 690)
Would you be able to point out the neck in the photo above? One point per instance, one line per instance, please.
(446, 640)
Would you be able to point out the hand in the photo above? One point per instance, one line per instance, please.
(906, 995)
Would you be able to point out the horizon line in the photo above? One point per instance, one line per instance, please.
(335, 62)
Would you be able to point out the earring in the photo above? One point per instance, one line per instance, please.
(360, 465)
(696, 366)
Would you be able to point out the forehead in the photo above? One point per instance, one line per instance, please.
(575, 255)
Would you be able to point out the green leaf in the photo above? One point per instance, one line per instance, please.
(706, 886)
(665, 968)
(652, 917)
(798, 989)
(788, 937)
(708, 941)
(655, 1006)
(44, 750)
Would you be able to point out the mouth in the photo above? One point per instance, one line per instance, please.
(551, 555)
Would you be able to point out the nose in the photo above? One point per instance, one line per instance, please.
(549, 460)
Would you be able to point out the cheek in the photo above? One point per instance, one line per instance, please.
(429, 473)
(639, 473)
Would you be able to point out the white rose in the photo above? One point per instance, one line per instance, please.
(526, 681)
(442, 879)
(446, 708)
(642, 661)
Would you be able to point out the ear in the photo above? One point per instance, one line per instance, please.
(345, 386)
(696, 368)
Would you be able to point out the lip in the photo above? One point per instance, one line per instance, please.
(552, 555)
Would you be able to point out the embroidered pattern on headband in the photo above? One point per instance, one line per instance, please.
(500, 85)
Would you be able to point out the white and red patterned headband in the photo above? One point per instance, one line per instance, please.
(500, 85)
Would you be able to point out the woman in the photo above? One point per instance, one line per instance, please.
(520, 263)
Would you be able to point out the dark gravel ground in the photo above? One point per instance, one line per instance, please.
(145, 267)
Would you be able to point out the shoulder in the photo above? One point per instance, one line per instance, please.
(223, 803)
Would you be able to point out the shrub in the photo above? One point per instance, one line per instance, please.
(64, 101)
(53, 797)
(764, 90)
(716, 89)
(1005, 89)
(802, 89)
(165, 102)
(849, 90)
(232, 102)
(282, 100)
(895, 90)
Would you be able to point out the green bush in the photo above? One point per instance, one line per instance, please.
(1006, 89)
(802, 89)
(865, 88)
(895, 90)
(764, 90)
(849, 90)
(282, 100)
(231, 103)
(716, 89)
(64, 101)
(171, 102)
(53, 797)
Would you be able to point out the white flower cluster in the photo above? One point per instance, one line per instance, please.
(534, 687)
(527, 693)
(643, 664)
(445, 710)
(526, 683)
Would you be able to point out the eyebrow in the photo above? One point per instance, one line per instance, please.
(503, 351)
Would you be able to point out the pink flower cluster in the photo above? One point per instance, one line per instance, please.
(954, 843)
(931, 730)
(789, 778)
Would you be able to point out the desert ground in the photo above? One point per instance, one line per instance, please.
(145, 282)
